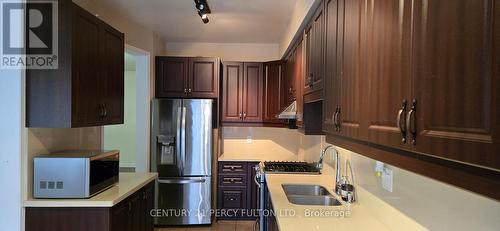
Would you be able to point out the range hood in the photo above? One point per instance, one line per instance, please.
(290, 112)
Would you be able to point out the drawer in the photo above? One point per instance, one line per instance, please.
(232, 168)
(233, 198)
(233, 180)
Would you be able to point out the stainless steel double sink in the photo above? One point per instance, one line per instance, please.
(302, 194)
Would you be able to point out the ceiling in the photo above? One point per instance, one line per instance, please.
(231, 21)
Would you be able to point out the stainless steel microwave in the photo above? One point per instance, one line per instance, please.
(74, 174)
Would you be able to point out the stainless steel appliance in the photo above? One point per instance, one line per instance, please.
(276, 167)
(74, 174)
(181, 153)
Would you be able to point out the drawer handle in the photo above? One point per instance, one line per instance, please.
(232, 199)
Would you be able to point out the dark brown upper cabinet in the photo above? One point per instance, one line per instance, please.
(293, 84)
(88, 86)
(314, 56)
(456, 75)
(388, 89)
(332, 64)
(242, 91)
(274, 90)
(345, 81)
(409, 76)
(187, 77)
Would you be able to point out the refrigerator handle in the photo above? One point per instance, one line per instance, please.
(178, 139)
(183, 139)
(181, 181)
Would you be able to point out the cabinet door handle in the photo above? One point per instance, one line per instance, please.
(401, 123)
(338, 119)
(410, 122)
(185, 90)
(105, 110)
(189, 90)
(244, 115)
(101, 111)
(241, 115)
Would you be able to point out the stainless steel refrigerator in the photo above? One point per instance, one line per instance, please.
(181, 153)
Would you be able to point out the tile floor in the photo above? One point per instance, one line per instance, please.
(218, 226)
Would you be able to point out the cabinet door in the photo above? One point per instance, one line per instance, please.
(232, 92)
(299, 79)
(171, 76)
(86, 92)
(120, 217)
(274, 97)
(252, 92)
(351, 83)
(332, 77)
(203, 81)
(318, 50)
(315, 53)
(112, 80)
(388, 71)
(456, 72)
(309, 59)
(150, 202)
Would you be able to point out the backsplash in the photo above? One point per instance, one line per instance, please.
(260, 143)
(430, 203)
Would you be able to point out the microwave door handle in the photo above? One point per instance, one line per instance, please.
(178, 139)
(183, 139)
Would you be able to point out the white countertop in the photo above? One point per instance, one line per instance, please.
(361, 215)
(127, 185)
(257, 157)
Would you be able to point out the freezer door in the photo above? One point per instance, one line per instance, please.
(197, 129)
(166, 137)
(184, 201)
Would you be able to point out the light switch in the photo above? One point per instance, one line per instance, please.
(387, 179)
(249, 140)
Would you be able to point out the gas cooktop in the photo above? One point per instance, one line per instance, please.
(290, 167)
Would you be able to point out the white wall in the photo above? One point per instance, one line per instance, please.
(432, 204)
(249, 52)
(123, 136)
(302, 11)
(11, 148)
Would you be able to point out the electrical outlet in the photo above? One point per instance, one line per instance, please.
(249, 140)
(387, 179)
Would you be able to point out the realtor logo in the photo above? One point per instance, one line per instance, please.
(29, 35)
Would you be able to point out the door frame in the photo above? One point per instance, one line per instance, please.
(143, 108)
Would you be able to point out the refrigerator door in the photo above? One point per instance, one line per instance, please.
(184, 201)
(166, 137)
(197, 135)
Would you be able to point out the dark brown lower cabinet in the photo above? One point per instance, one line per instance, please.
(236, 191)
(131, 214)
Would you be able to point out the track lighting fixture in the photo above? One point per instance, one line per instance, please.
(203, 10)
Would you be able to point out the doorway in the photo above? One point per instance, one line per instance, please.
(132, 137)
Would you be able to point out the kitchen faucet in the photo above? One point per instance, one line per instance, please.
(342, 187)
(337, 166)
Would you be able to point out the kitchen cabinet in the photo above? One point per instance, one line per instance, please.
(345, 64)
(406, 83)
(293, 86)
(242, 92)
(131, 214)
(274, 92)
(456, 76)
(187, 77)
(314, 55)
(332, 63)
(388, 72)
(88, 86)
(236, 190)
